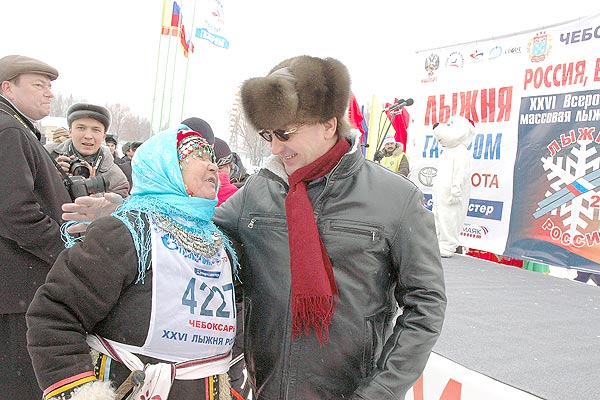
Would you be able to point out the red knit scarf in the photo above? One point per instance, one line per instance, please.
(314, 291)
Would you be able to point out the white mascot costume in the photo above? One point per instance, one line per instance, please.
(452, 184)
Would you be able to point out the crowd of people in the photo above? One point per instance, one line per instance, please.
(188, 264)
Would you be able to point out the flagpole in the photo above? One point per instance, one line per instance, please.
(162, 100)
(174, 65)
(170, 36)
(172, 83)
(188, 63)
(157, 66)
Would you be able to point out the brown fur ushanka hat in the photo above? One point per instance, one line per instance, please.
(302, 89)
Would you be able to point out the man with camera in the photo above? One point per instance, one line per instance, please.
(82, 157)
(31, 199)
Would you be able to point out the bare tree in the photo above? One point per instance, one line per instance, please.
(119, 115)
(136, 129)
(128, 126)
(244, 138)
(60, 104)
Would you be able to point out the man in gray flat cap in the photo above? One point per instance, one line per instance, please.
(88, 124)
(32, 193)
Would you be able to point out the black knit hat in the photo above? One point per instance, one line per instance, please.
(135, 145)
(85, 110)
(202, 127)
(222, 152)
(110, 138)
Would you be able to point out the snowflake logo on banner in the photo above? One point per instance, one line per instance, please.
(574, 184)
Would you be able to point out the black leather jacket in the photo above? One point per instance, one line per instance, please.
(382, 243)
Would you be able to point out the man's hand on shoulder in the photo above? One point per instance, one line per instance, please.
(90, 208)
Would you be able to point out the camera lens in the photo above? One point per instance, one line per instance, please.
(76, 168)
(97, 184)
(79, 186)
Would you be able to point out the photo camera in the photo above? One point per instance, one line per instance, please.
(80, 184)
(78, 168)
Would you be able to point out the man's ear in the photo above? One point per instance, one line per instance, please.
(5, 89)
(330, 127)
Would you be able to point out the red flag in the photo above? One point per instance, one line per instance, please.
(355, 116)
(400, 122)
(184, 43)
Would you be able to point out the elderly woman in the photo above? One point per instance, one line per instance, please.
(149, 289)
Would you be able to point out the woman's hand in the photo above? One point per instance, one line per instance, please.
(90, 208)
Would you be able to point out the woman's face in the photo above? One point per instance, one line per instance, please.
(200, 176)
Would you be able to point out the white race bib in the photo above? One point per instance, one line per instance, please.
(193, 303)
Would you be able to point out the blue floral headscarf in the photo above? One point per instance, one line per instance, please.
(158, 183)
(158, 189)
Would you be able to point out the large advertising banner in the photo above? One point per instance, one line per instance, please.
(535, 100)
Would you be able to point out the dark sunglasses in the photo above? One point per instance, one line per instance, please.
(281, 134)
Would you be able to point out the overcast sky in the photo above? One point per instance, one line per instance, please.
(106, 51)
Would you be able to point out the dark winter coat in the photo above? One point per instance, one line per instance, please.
(102, 298)
(30, 210)
(382, 244)
(126, 168)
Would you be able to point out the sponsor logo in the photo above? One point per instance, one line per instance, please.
(206, 273)
(474, 231)
(513, 50)
(539, 47)
(428, 201)
(476, 56)
(485, 209)
(426, 176)
(495, 52)
(455, 60)
(432, 64)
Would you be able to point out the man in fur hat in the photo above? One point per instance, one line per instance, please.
(31, 199)
(322, 251)
(334, 247)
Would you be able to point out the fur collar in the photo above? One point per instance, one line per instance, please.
(396, 151)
